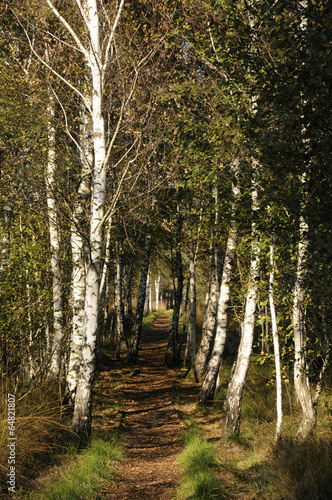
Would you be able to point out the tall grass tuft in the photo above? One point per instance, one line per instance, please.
(304, 470)
(198, 460)
(41, 429)
(197, 456)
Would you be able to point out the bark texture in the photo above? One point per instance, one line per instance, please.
(211, 377)
(233, 400)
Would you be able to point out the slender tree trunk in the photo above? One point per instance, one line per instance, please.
(210, 380)
(173, 355)
(119, 305)
(301, 381)
(147, 295)
(78, 249)
(54, 246)
(275, 341)
(128, 300)
(233, 400)
(136, 335)
(5, 239)
(191, 339)
(157, 288)
(209, 324)
(83, 401)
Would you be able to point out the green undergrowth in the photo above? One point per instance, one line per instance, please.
(199, 466)
(251, 464)
(85, 473)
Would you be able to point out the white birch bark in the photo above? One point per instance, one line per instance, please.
(157, 289)
(210, 380)
(232, 404)
(209, 325)
(78, 249)
(147, 295)
(191, 335)
(53, 222)
(118, 298)
(275, 340)
(301, 381)
(83, 400)
(5, 239)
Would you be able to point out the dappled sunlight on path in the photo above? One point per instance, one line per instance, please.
(150, 427)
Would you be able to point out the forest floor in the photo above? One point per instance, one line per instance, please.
(150, 406)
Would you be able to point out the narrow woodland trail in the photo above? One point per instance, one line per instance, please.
(150, 427)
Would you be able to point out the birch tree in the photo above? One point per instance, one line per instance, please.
(232, 404)
(57, 335)
(210, 380)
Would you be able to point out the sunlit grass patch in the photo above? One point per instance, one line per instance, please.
(198, 461)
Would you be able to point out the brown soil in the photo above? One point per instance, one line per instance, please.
(142, 408)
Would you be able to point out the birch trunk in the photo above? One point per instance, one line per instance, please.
(233, 400)
(211, 377)
(191, 340)
(136, 335)
(83, 401)
(53, 222)
(78, 249)
(209, 325)
(157, 289)
(301, 381)
(5, 239)
(275, 341)
(118, 298)
(173, 355)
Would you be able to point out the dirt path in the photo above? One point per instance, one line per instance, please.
(150, 426)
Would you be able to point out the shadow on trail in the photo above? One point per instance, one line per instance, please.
(139, 404)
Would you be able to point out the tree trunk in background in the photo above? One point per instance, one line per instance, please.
(191, 339)
(210, 380)
(209, 323)
(157, 288)
(184, 322)
(173, 354)
(148, 295)
(128, 300)
(301, 381)
(5, 239)
(136, 335)
(53, 221)
(232, 403)
(119, 303)
(79, 251)
(275, 341)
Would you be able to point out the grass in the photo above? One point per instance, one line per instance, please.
(41, 429)
(250, 464)
(84, 475)
(305, 470)
(198, 462)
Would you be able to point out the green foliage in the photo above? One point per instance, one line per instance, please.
(83, 478)
(196, 460)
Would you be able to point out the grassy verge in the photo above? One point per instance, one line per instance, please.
(199, 466)
(85, 473)
(252, 465)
